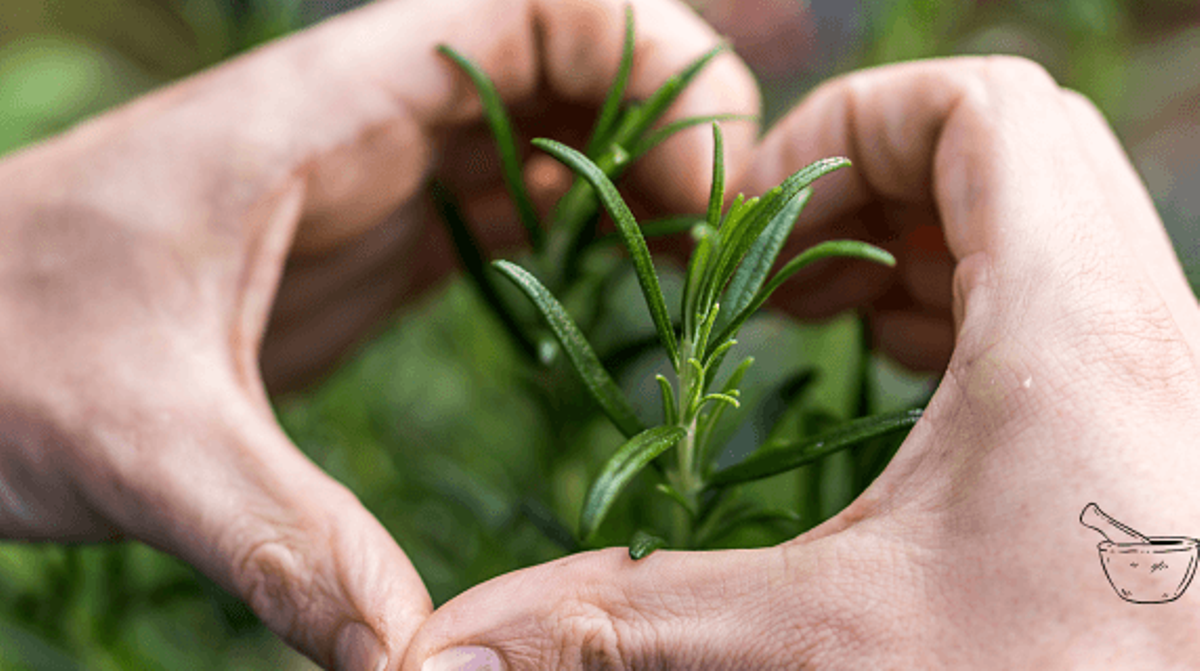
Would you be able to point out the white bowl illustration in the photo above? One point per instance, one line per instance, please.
(1154, 572)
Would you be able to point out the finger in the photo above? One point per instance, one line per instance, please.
(678, 174)
(603, 610)
(256, 516)
(991, 144)
(829, 603)
(350, 108)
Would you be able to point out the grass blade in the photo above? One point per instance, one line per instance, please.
(643, 543)
(832, 248)
(630, 232)
(510, 162)
(476, 266)
(753, 270)
(774, 458)
(582, 356)
(631, 458)
(611, 109)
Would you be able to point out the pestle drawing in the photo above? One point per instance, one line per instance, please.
(1142, 569)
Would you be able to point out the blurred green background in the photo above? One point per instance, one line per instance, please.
(440, 390)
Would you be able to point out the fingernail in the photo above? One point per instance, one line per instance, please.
(358, 649)
(469, 658)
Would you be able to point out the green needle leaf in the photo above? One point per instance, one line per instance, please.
(705, 237)
(657, 228)
(472, 260)
(741, 516)
(839, 248)
(631, 458)
(737, 210)
(706, 327)
(510, 162)
(612, 103)
(716, 198)
(717, 356)
(673, 494)
(548, 523)
(670, 410)
(668, 131)
(658, 102)
(742, 237)
(582, 356)
(642, 544)
(774, 458)
(706, 292)
(723, 398)
(629, 230)
(832, 248)
(753, 270)
(709, 424)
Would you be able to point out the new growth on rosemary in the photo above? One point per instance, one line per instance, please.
(727, 280)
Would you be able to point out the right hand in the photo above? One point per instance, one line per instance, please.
(899, 194)
(1073, 379)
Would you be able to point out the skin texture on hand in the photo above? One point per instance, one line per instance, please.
(1022, 234)
(146, 252)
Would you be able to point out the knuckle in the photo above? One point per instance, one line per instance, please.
(1078, 102)
(590, 637)
(600, 632)
(991, 87)
(271, 578)
(275, 579)
(1006, 72)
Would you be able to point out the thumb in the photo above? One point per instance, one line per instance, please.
(251, 512)
(603, 610)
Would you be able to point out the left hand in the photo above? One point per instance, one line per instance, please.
(143, 254)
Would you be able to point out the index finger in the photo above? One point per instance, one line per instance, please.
(992, 146)
(350, 109)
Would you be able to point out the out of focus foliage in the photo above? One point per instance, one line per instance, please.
(434, 424)
(63, 60)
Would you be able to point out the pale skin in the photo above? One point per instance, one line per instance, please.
(144, 252)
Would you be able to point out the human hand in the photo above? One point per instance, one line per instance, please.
(1073, 379)
(142, 254)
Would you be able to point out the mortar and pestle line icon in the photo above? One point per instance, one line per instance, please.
(1142, 569)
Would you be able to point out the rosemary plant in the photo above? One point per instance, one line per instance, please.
(727, 281)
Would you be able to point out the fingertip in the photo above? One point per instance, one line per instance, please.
(358, 647)
(581, 46)
(465, 658)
